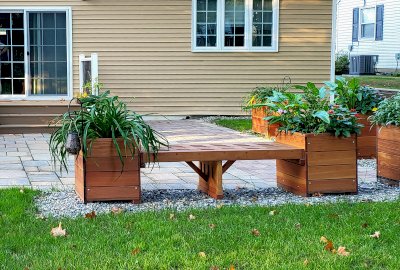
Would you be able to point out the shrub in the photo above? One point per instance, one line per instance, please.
(342, 64)
(388, 112)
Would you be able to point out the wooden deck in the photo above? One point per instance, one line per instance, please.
(211, 145)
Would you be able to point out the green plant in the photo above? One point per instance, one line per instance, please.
(352, 95)
(259, 95)
(311, 112)
(342, 64)
(104, 116)
(388, 112)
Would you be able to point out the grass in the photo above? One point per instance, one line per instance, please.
(241, 125)
(389, 82)
(107, 241)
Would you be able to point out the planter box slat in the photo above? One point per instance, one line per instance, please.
(336, 186)
(388, 159)
(330, 164)
(332, 172)
(331, 158)
(110, 164)
(131, 193)
(366, 141)
(105, 148)
(105, 179)
(261, 126)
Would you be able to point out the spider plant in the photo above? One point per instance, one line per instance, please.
(104, 116)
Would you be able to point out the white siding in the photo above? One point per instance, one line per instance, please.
(386, 48)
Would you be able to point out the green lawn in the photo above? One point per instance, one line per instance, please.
(241, 125)
(388, 82)
(286, 239)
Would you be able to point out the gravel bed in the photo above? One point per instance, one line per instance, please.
(66, 203)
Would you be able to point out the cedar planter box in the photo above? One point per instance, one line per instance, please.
(388, 153)
(100, 177)
(366, 141)
(330, 165)
(260, 125)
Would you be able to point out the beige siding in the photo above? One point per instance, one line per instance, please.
(144, 49)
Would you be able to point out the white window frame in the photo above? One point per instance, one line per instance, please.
(248, 34)
(94, 68)
(361, 24)
(27, 95)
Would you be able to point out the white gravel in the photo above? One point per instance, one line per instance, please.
(66, 203)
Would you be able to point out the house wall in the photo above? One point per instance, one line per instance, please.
(386, 48)
(144, 49)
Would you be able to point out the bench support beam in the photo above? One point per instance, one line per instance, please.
(227, 165)
(197, 170)
(212, 184)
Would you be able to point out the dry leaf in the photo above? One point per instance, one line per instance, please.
(364, 225)
(376, 234)
(58, 231)
(212, 225)
(333, 216)
(22, 190)
(297, 226)
(214, 268)
(317, 194)
(202, 254)
(273, 212)
(192, 217)
(324, 239)
(219, 206)
(255, 232)
(306, 262)
(40, 216)
(116, 210)
(308, 204)
(172, 216)
(342, 251)
(90, 215)
(232, 267)
(329, 247)
(135, 251)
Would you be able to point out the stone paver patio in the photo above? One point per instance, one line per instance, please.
(25, 162)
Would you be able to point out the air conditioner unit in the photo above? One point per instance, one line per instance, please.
(363, 64)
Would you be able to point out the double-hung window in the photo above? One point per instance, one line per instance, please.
(35, 57)
(235, 25)
(367, 23)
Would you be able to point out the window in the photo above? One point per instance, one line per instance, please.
(34, 52)
(368, 22)
(235, 25)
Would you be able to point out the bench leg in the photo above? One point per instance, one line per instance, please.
(213, 185)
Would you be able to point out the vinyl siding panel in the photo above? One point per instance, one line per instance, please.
(144, 50)
(385, 48)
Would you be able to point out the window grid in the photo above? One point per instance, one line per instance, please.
(234, 37)
(206, 34)
(13, 84)
(262, 28)
(367, 27)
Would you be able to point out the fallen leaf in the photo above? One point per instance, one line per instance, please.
(342, 251)
(202, 254)
(232, 267)
(273, 212)
(135, 251)
(22, 190)
(376, 235)
(329, 247)
(214, 268)
(317, 194)
(306, 262)
(116, 210)
(308, 204)
(40, 216)
(364, 225)
(324, 239)
(297, 226)
(90, 215)
(212, 225)
(254, 199)
(172, 216)
(219, 206)
(255, 232)
(333, 216)
(192, 217)
(58, 231)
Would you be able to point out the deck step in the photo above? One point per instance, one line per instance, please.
(27, 119)
(24, 128)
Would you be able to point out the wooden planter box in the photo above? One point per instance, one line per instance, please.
(366, 141)
(388, 152)
(100, 177)
(261, 126)
(329, 166)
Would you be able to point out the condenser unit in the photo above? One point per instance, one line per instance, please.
(363, 64)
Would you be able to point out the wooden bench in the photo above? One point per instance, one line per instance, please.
(211, 157)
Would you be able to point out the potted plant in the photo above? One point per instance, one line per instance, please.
(363, 100)
(253, 102)
(326, 132)
(112, 138)
(387, 118)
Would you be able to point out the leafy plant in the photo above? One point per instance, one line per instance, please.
(259, 95)
(342, 64)
(388, 112)
(104, 116)
(352, 95)
(311, 112)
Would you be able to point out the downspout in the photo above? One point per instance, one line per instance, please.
(333, 44)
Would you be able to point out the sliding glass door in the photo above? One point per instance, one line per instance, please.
(34, 54)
